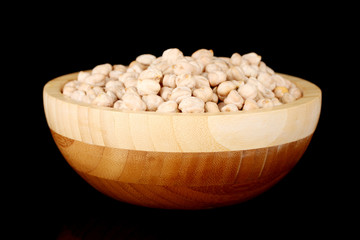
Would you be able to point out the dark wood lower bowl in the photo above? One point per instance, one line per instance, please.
(181, 180)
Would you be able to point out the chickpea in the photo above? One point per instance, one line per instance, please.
(148, 86)
(69, 88)
(236, 59)
(225, 87)
(172, 55)
(236, 73)
(169, 80)
(133, 102)
(165, 93)
(96, 79)
(192, 105)
(252, 58)
(105, 99)
(203, 56)
(103, 69)
(174, 82)
(211, 107)
(266, 80)
(185, 80)
(248, 91)
(82, 75)
(280, 91)
(250, 104)
(168, 107)
(145, 59)
(216, 77)
(265, 103)
(229, 108)
(151, 73)
(234, 98)
(152, 101)
(179, 93)
(295, 92)
(204, 93)
(201, 81)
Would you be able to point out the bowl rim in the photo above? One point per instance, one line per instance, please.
(309, 90)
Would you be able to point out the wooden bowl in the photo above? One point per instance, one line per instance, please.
(177, 160)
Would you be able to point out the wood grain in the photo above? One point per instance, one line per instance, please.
(175, 132)
(177, 160)
(181, 180)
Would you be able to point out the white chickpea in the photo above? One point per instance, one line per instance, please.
(183, 67)
(117, 87)
(216, 77)
(84, 86)
(180, 93)
(185, 80)
(212, 67)
(236, 59)
(222, 64)
(249, 70)
(69, 88)
(148, 86)
(162, 65)
(265, 103)
(151, 73)
(168, 107)
(78, 95)
(287, 98)
(280, 81)
(229, 108)
(135, 66)
(192, 105)
(201, 81)
(225, 87)
(96, 79)
(172, 55)
(203, 56)
(198, 67)
(211, 107)
(234, 98)
(120, 68)
(236, 73)
(266, 80)
(165, 93)
(169, 80)
(145, 59)
(214, 98)
(115, 74)
(250, 104)
(238, 83)
(105, 99)
(103, 69)
(152, 101)
(267, 93)
(82, 75)
(252, 58)
(173, 82)
(119, 104)
(248, 91)
(295, 92)
(276, 101)
(133, 102)
(204, 93)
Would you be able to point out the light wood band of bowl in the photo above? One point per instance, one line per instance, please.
(179, 132)
(180, 180)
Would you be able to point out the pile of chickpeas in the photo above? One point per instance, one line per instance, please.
(174, 83)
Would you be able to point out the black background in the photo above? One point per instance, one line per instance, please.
(55, 202)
